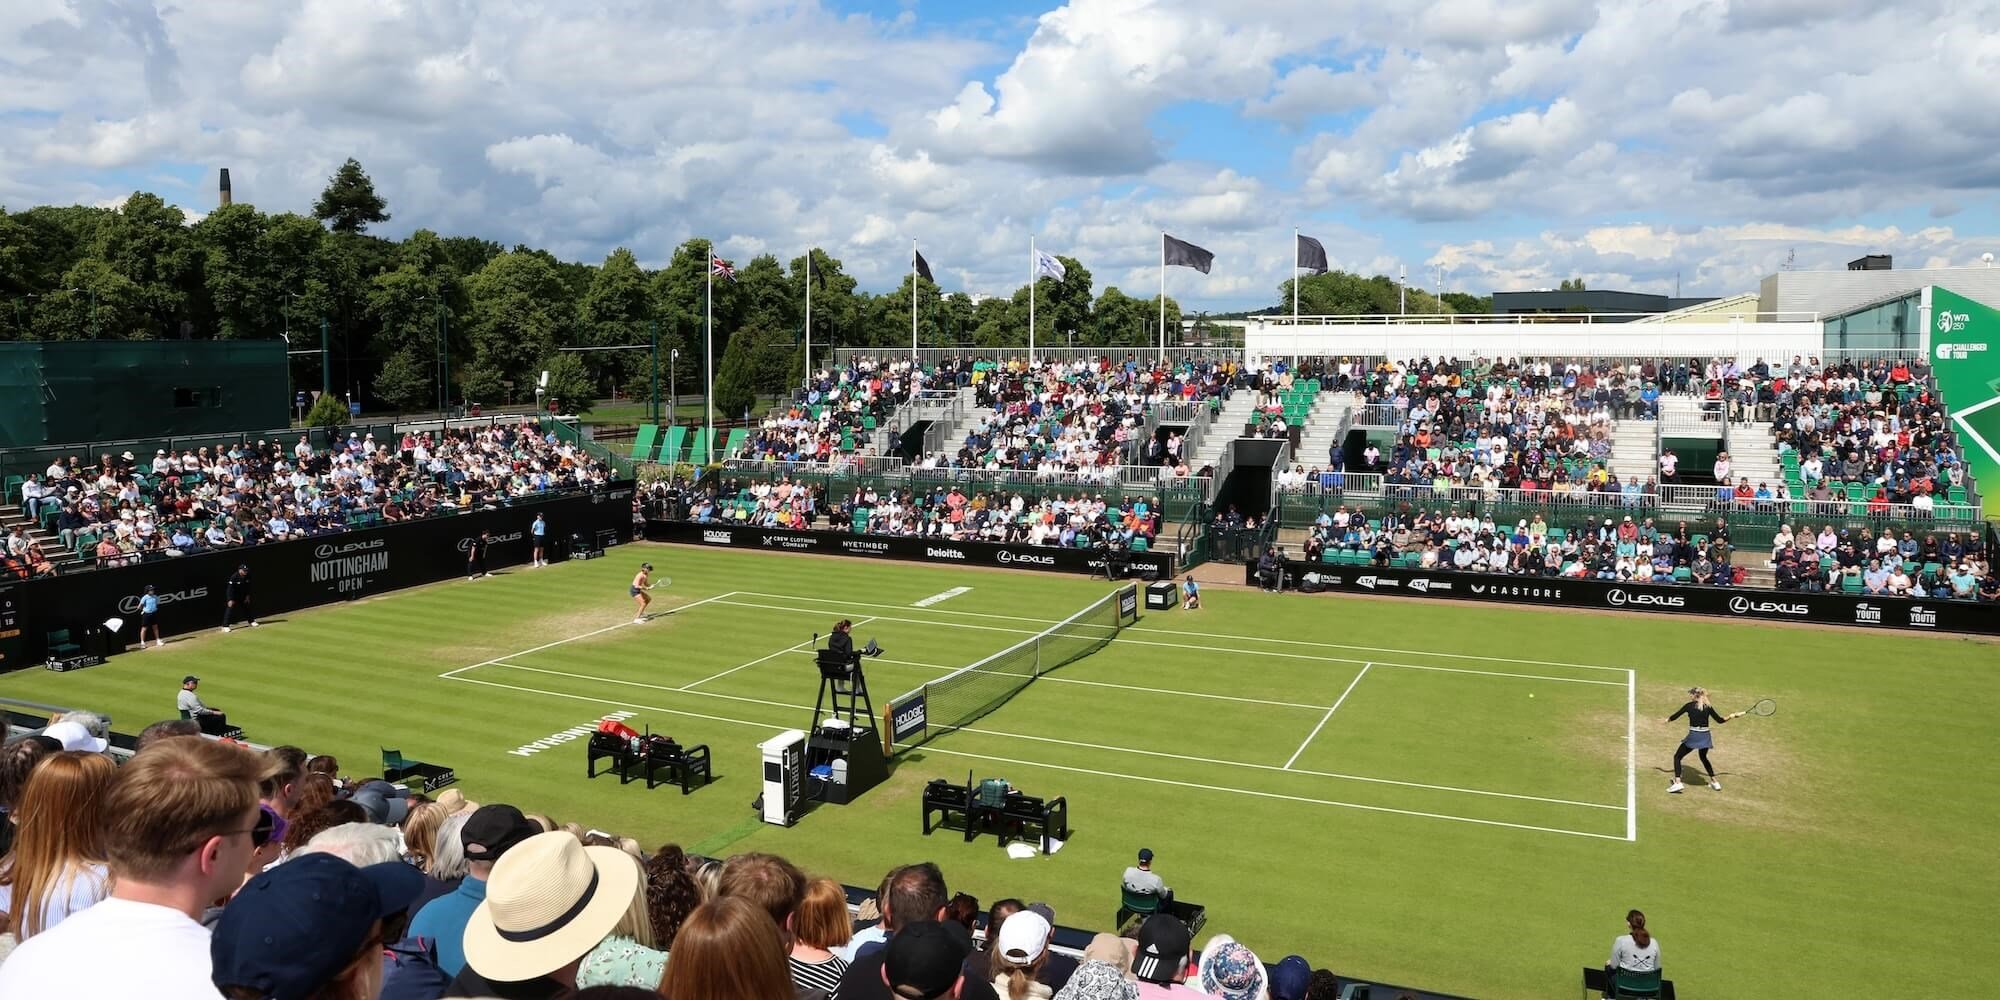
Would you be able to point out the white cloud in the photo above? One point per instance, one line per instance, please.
(1637, 137)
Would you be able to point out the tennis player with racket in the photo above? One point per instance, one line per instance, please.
(642, 582)
(1700, 714)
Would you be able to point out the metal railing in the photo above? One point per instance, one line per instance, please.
(1490, 319)
(1678, 422)
(1223, 467)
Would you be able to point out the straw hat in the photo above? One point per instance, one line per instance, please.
(549, 901)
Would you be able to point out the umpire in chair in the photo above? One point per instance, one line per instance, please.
(841, 642)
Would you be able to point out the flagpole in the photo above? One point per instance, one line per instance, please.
(809, 316)
(708, 362)
(1163, 296)
(1033, 274)
(913, 298)
(1295, 296)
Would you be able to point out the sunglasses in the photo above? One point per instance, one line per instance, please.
(270, 826)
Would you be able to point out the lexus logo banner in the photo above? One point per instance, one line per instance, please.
(1930, 615)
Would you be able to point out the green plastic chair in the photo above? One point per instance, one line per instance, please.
(1635, 985)
(674, 446)
(642, 444)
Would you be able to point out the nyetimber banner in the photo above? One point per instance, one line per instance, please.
(1873, 611)
(1151, 565)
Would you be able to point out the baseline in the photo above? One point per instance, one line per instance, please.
(586, 635)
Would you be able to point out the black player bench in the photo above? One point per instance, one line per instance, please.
(398, 769)
(991, 806)
(658, 759)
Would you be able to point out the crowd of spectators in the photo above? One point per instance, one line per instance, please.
(945, 511)
(1892, 564)
(838, 409)
(122, 510)
(1626, 549)
(1535, 425)
(205, 869)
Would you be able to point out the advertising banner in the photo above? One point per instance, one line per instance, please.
(1965, 355)
(1872, 611)
(286, 576)
(1150, 565)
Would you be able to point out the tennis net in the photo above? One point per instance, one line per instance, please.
(959, 698)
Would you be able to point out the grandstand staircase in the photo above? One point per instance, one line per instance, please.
(1228, 426)
(1323, 426)
(1753, 455)
(1634, 450)
(65, 559)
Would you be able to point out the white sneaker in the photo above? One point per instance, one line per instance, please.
(253, 624)
(641, 620)
(227, 628)
(1676, 786)
(161, 644)
(1717, 785)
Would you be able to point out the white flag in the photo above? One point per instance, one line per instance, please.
(1047, 266)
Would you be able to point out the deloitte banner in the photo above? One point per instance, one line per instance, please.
(286, 576)
(1871, 611)
(1965, 354)
(1148, 565)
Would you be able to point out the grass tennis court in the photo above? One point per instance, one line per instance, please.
(1463, 798)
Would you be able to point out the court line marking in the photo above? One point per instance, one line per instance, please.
(1182, 645)
(1091, 746)
(1123, 687)
(1060, 767)
(1273, 795)
(1214, 635)
(586, 635)
(936, 599)
(1294, 758)
(1631, 755)
(794, 647)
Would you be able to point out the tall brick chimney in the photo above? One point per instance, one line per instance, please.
(225, 185)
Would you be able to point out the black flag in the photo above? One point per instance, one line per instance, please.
(1312, 256)
(1183, 254)
(924, 268)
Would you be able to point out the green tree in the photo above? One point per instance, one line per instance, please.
(483, 384)
(836, 312)
(327, 411)
(235, 275)
(147, 243)
(1571, 285)
(1463, 302)
(520, 313)
(349, 204)
(1119, 320)
(406, 380)
(736, 382)
(614, 312)
(1063, 307)
(570, 385)
(676, 292)
(996, 323)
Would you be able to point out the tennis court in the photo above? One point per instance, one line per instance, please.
(1538, 745)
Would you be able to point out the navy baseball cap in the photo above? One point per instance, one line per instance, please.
(1145, 854)
(290, 930)
(1290, 978)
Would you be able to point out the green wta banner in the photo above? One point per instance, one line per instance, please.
(1965, 352)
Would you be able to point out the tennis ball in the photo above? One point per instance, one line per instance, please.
(1531, 694)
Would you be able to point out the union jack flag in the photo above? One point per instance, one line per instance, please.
(721, 268)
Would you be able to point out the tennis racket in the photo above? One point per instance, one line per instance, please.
(1764, 707)
(661, 582)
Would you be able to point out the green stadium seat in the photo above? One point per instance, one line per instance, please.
(674, 445)
(1850, 585)
(734, 445)
(1635, 985)
(642, 444)
(701, 446)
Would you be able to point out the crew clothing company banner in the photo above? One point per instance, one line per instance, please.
(1965, 354)
(1871, 611)
(1156, 565)
(286, 576)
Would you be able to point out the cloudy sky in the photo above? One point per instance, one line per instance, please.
(1513, 142)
